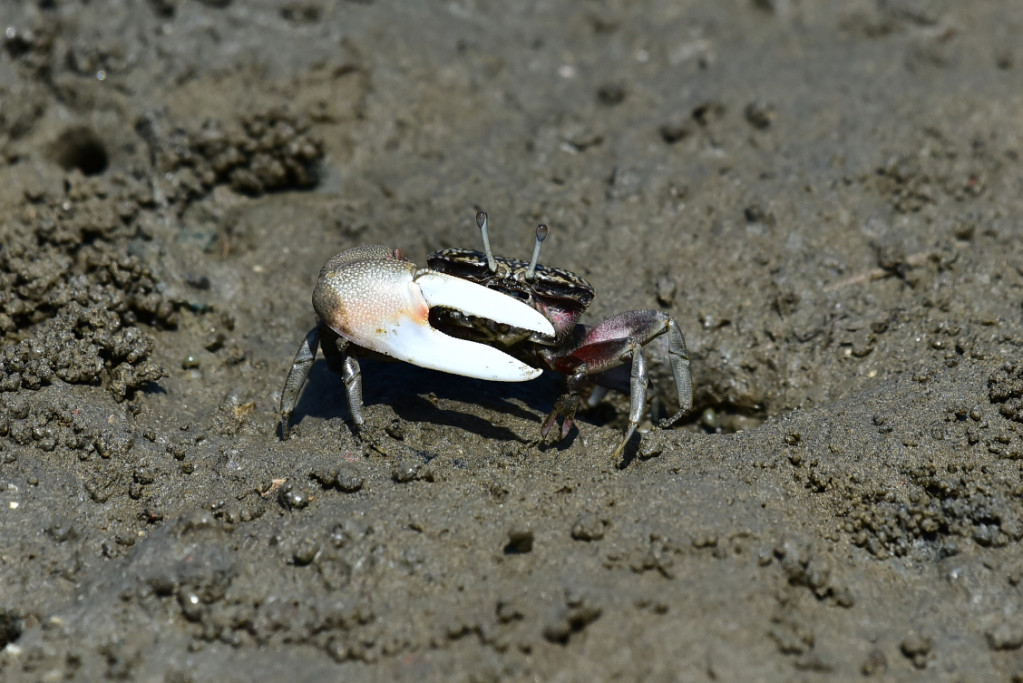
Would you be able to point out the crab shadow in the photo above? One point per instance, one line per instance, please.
(405, 388)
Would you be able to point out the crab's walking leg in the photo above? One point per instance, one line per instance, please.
(351, 373)
(678, 356)
(609, 345)
(643, 327)
(592, 358)
(297, 376)
(637, 392)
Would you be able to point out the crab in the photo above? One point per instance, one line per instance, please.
(482, 316)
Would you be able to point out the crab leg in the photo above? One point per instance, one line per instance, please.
(300, 368)
(351, 374)
(678, 356)
(609, 345)
(637, 393)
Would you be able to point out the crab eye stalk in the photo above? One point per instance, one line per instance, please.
(481, 223)
(541, 235)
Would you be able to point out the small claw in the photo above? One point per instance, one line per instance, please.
(566, 426)
(565, 408)
(381, 302)
(548, 424)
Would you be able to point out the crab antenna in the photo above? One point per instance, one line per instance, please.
(541, 235)
(481, 223)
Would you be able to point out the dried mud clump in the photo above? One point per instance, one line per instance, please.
(69, 300)
(942, 503)
(264, 152)
(1005, 388)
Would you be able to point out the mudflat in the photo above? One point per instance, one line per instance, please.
(824, 196)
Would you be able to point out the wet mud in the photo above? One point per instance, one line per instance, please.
(825, 196)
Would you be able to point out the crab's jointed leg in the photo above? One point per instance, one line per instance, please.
(351, 374)
(678, 357)
(611, 343)
(297, 376)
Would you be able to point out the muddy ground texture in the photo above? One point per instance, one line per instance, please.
(826, 197)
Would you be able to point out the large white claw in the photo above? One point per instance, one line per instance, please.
(413, 339)
(468, 297)
(416, 342)
(375, 299)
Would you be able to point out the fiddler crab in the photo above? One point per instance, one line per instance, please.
(482, 316)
